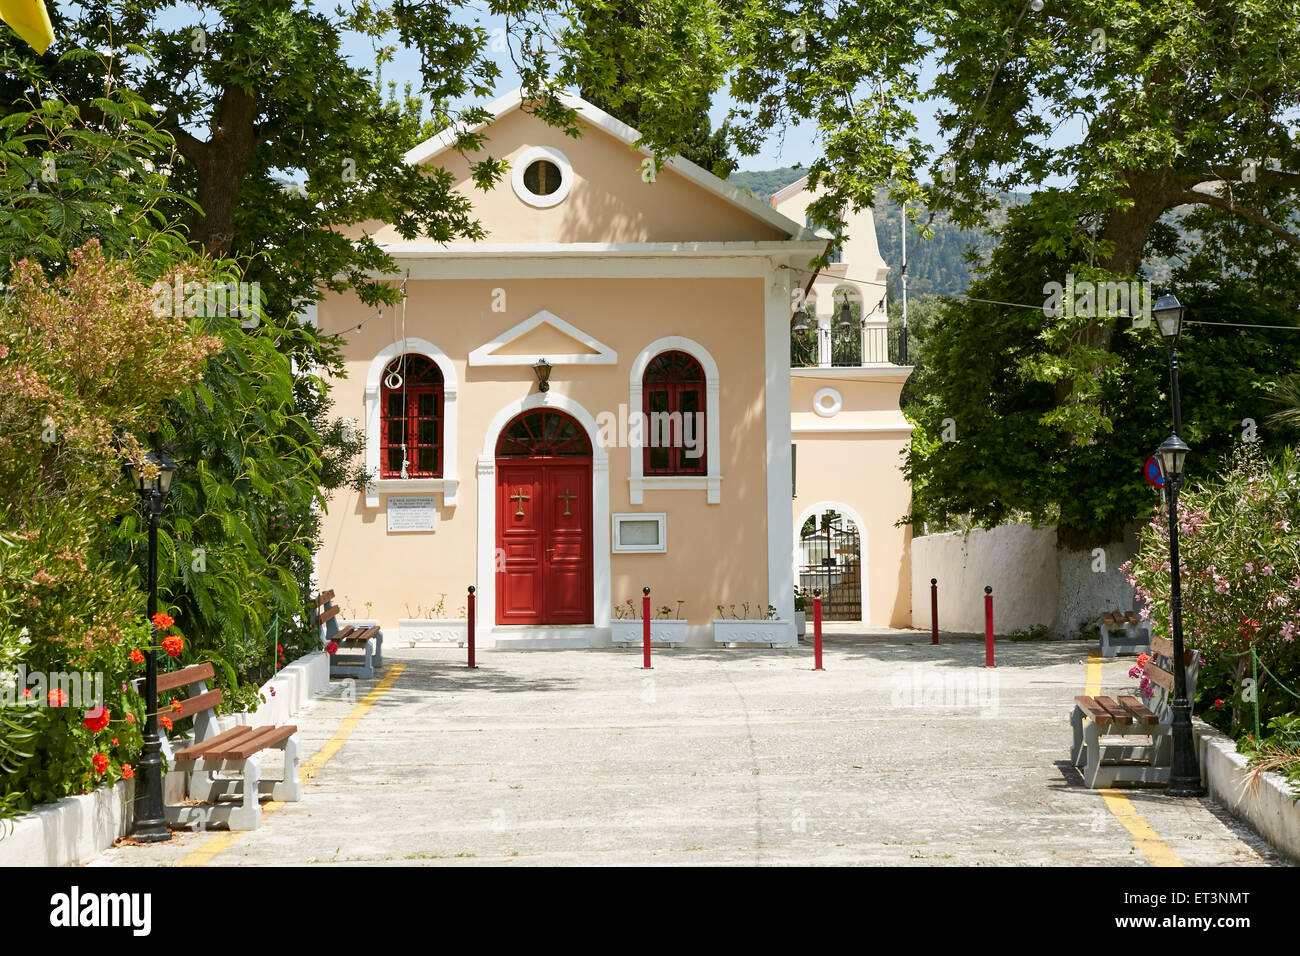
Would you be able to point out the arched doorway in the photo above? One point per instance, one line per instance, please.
(544, 520)
(829, 557)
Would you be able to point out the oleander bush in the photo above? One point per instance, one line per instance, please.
(1239, 544)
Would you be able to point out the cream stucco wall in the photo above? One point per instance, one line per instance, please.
(608, 203)
(717, 554)
(852, 459)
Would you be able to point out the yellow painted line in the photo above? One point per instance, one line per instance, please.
(306, 772)
(1156, 850)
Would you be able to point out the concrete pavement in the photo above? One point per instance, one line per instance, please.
(898, 753)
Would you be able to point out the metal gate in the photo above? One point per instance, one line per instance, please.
(831, 559)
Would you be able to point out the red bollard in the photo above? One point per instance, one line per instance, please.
(645, 627)
(817, 629)
(988, 627)
(469, 607)
(934, 610)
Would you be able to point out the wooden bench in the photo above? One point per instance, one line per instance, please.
(1106, 763)
(214, 751)
(1123, 629)
(364, 639)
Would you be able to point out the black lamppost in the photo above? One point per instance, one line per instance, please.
(152, 479)
(1184, 772)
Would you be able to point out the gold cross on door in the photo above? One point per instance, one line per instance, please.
(519, 498)
(567, 497)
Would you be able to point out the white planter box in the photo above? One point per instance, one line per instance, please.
(801, 622)
(424, 630)
(670, 631)
(754, 632)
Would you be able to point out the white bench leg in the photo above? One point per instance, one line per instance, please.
(290, 788)
(1094, 774)
(248, 815)
(1077, 749)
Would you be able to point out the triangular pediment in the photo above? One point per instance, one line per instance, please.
(544, 335)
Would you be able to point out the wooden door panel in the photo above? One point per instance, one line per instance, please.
(520, 535)
(567, 597)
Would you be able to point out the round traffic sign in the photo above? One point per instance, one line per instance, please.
(1154, 476)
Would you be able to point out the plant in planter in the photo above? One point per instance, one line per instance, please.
(800, 612)
(747, 629)
(626, 628)
(432, 626)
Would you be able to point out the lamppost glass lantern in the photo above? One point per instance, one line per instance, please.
(155, 473)
(543, 370)
(1173, 457)
(1168, 313)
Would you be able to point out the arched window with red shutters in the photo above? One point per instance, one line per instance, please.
(411, 419)
(673, 430)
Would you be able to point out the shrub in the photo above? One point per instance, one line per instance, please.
(1239, 543)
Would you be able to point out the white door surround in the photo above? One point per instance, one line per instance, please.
(543, 635)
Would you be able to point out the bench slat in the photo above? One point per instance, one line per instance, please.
(1162, 646)
(1160, 677)
(1118, 713)
(1139, 711)
(1130, 618)
(244, 748)
(328, 614)
(366, 634)
(186, 675)
(345, 634)
(195, 751)
(1094, 710)
(1109, 618)
(191, 706)
(324, 597)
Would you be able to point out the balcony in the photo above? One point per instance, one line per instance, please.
(854, 346)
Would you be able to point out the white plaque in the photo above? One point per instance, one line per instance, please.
(411, 513)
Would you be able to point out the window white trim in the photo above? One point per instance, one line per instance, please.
(711, 480)
(617, 536)
(526, 159)
(449, 482)
(602, 354)
(487, 514)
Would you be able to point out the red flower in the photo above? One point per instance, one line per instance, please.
(100, 762)
(163, 621)
(1218, 702)
(166, 722)
(130, 718)
(176, 705)
(173, 645)
(332, 647)
(114, 741)
(27, 692)
(127, 771)
(57, 697)
(1143, 659)
(137, 657)
(97, 719)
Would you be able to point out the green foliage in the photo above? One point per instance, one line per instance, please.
(763, 184)
(992, 376)
(1239, 549)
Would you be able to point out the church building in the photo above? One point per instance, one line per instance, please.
(593, 399)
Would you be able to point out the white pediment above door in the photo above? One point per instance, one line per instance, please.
(544, 335)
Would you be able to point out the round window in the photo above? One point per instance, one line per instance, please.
(542, 177)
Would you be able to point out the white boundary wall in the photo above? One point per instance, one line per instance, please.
(1034, 582)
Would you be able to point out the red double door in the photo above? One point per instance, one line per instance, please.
(544, 532)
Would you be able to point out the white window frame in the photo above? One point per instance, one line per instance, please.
(616, 537)
(711, 481)
(448, 484)
(526, 159)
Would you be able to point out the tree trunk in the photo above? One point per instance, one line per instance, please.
(221, 164)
